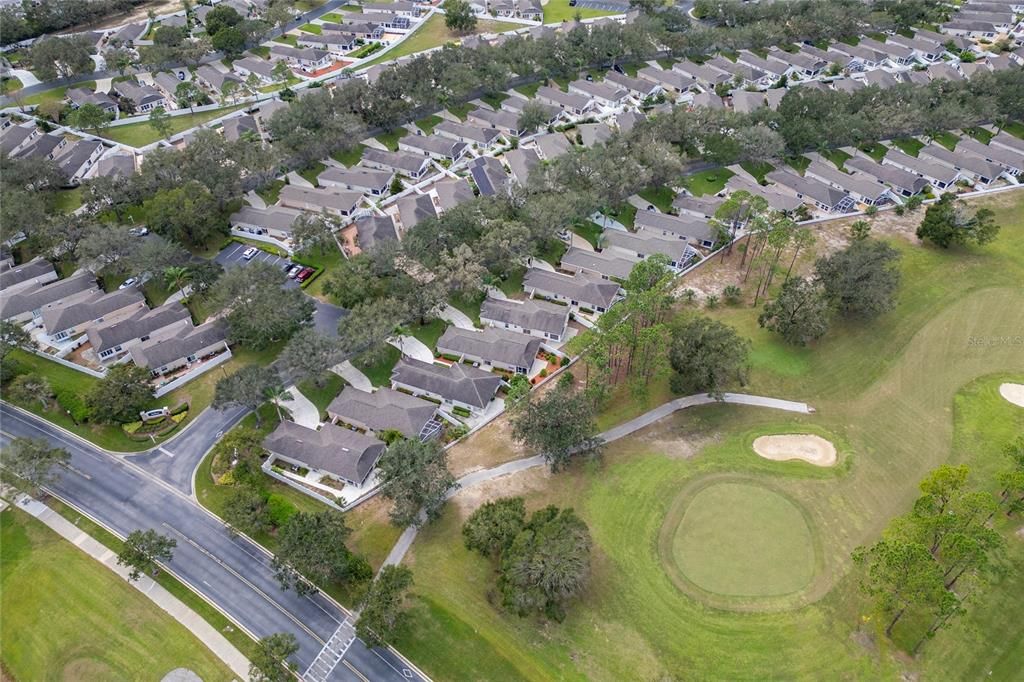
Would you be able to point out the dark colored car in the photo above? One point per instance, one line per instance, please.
(304, 274)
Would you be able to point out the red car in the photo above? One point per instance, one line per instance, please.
(304, 274)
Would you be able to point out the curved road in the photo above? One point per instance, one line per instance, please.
(153, 490)
(405, 541)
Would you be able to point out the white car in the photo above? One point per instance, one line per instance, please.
(249, 253)
(130, 282)
(138, 231)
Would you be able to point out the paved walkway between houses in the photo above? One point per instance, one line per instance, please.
(608, 223)
(297, 180)
(458, 318)
(304, 412)
(206, 633)
(413, 347)
(581, 243)
(641, 203)
(542, 264)
(407, 537)
(255, 200)
(347, 371)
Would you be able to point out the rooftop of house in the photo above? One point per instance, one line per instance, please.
(585, 289)
(458, 382)
(384, 409)
(491, 344)
(332, 449)
(542, 316)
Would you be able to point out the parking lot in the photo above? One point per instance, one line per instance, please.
(603, 5)
(326, 316)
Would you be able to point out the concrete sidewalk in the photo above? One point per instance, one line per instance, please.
(206, 633)
(304, 412)
(413, 347)
(456, 317)
(347, 371)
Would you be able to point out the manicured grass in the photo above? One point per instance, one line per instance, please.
(68, 617)
(271, 191)
(661, 197)
(156, 292)
(557, 11)
(427, 124)
(837, 156)
(365, 51)
(530, 89)
(433, 33)
(261, 50)
(311, 28)
(310, 174)
(590, 231)
(625, 214)
(947, 140)
(55, 94)
(287, 39)
(876, 151)
(288, 82)
(332, 17)
(379, 373)
(321, 396)
(329, 259)
(908, 145)
(141, 133)
(513, 284)
(923, 395)
(9, 85)
(757, 169)
(1015, 128)
(980, 134)
(470, 306)
(798, 163)
(494, 100)
(428, 333)
(390, 139)
(351, 157)
(68, 199)
(707, 182)
(461, 111)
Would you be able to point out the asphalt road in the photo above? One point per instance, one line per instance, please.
(126, 494)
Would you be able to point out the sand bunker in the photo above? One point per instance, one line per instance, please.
(812, 449)
(1014, 393)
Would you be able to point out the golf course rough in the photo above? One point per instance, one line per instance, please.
(742, 539)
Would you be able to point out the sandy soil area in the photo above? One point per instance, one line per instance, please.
(1013, 392)
(812, 449)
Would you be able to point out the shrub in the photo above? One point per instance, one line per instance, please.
(132, 427)
(180, 417)
(461, 411)
(544, 372)
(73, 404)
(279, 509)
(565, 360)
(180, 408)
(732, 293)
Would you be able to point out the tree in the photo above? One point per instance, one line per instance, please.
(382, 607)
(269, 662)
(89, 116)
(188, 94)
(119, 58)
(899, 575)
(245, 388)
(281, 71)
(33, 462)
(369, 325)
(275, 394)
(459, 16)
(176, 277)
(492, 528)
(29, 388)
(314, 230)
(52, 110)
(860, 230)
(533, 116)
(120, 395)
(220, 17)
(12, 336)
(951, 221)
(547, 564)
(59, 57)
(862, 279)
(800, 313)
(246, 510)
(231, 42)
(706, 355)
(311, 550)
(310, 354)
(1012, 478)
(160, 121)
(142, 550)
(259, 310)
(559, 425)
(414, 475)
(105, 245)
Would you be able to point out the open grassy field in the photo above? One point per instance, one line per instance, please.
(898, 397)
(557, 11)
(433, 33)
(66, 617)
(142, 133)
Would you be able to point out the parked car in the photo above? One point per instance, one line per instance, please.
(304, 274)
(249, 253)
(138, 231)
(293, 271)
(130, 282)
(287, 266)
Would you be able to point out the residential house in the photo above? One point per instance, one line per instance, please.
(530, 317)
(646, 243)
(31, 275)
(905, 183)
(640, 88)
(579, 291)
(143, 98)
(704, 75)
(786, 201)
(331, 199)
(433, 146)
(959, 43)
(572, 103)
(1010, 160)
(604, 94)
(775, 68)
(167, 83)
(273, 221)
(28, 303)
(707, 100)
(520, 9)
(48, 146)
(515, 105)
(373, 182)
(970, 28)
(363, 30)
(110, 340)
(943, 70)
(741, 73)
(165, 354)
(974, 168)
(938, 175)
(697, 207)
(337, 44)
(1007, 141)
(521, 162)
(455, 386)
(625, 121)
(897, 55)
(500, 120)
(342, 453)
(882, 79)
(821, 195)
(803, 63)
(402, 163)
(215, 79)
(467, 134)
(400, 8)
(606, 264)
(670, 80)
(864, 57)
(307, 59)
(374, 229)
(450, 193)
(691, 230)
(68, 318)
(263, 68)
(925, 50)
(489, 175)
(551, 145)
(80, 96)
(863, 189)
(383, 410)
(744, 101)
(14, 138)
(76, 161)
(847, 85)
(494, 347)
(128, 34)
(590, 134)
(391, 22)
(415, 208)
(237, 126)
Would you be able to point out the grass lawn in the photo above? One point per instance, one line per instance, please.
(661, 197)
(837, 156)
(428, 333)
(876, 151)
(274, 87)
(798, 163)
(590, 231)
(261, 50)
(908, 145)
(68, 199)
(980, 134)
(287, 39)
(332, 17)
(757, 169)
(494, 100)
(625, 214)
(55, 94)
(390, 139)
(897, 396)
(321, 396)
(513, 284)
(530, 89)
(312, 172)
(947, 140)
(557, 11)
(469, 306)
(9, 85)
(379, 373)
(461, 111)
(433, 33)
(271, 191)
(328, 260)
(707, 182)
(140, 134)
(68, 617)
(553, 251)
(311, 28)
(156, 292)
(427, 124)
(351, 157)
(1015, 128)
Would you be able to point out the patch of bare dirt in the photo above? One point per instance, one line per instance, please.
(467, 500)
(665, 439)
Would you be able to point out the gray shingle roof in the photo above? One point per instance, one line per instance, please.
(582, 288)
(358, 177)
(458, 382)
(317, 198)
(521, 162)
(434, 144)
(529, 314)
(403, 162)
(492, 345)
(142, 323)
(37, 267)
(160, 352)
(373, 230)
(924, 167)
(695, 228)
(382, 410)
(37, 297)
(270, 218)
(415, 208)
(61, 316)
(897, 177)
(808, 187)
(646, 242)
(343, 452)
(607, 263)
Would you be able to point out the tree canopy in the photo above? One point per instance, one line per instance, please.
(259, 310)
(414, 475)
(950, 221)
(311, 551)
(706, 355)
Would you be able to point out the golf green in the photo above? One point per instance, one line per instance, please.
(744, 540)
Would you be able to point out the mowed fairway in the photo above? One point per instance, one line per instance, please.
(898, 397)
(740, 539)
(66, 617)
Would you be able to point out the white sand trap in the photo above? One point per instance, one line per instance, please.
(813, 449)
(1014, 393)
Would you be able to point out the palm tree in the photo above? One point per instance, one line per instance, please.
(276, 394)
(176, 277)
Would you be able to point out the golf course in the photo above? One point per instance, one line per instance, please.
(711, 560)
